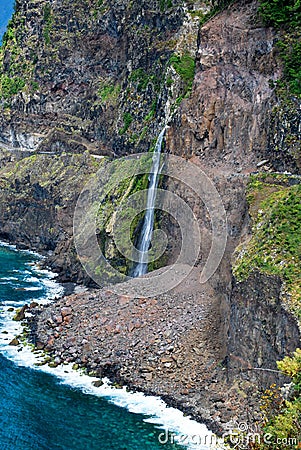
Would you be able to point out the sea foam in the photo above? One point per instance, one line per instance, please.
(175, 426)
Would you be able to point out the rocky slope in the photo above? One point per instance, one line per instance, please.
(107, 74)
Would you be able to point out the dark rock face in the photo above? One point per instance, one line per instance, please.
(37, 199)
(92, 63)
(261, 331)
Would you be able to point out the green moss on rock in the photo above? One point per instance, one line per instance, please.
(184, 65)
(275, 246)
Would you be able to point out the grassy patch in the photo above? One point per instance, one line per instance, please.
(10, 86)
(142, 79)
(109, 92)
(47, 20)
(152, 111)
(184, 65)
(127, 120)
(275, 247)
(280, 416)
(16, 74)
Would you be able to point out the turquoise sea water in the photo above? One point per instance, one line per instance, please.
(37, 409)
(37, 412)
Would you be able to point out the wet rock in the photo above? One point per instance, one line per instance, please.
(97, 383)
(33, 305)
(39, 345)
(20, 314)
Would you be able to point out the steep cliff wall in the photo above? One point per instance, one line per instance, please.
(95, 68)
(230, 118)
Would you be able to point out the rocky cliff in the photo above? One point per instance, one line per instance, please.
(100, 78)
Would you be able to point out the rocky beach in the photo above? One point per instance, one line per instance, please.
(175, 346)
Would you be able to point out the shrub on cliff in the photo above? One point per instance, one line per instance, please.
(281, 426)
(281, 12)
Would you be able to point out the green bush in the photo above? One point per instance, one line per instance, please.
(143, 79)
(10, 86)
(281, 12)
(184, 65)
(47, 18)
(109, 92)
(282, 418)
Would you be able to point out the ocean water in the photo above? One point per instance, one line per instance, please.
(6, 11)
(47, 408)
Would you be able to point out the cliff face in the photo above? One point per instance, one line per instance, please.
(37, 199)
(96, 69)
(229, 119)
(100, 79)
(84, 77)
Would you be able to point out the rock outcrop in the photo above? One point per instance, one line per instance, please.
(37, 199)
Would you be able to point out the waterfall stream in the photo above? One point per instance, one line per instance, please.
(148, 221)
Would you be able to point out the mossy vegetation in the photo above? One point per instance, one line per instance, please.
(19, 66)
(142, 79)
(118, 215)
(275, 247)
(64, 172)
(152, 112)
(109, 92)
(184, 65)
(279, 12)
(47, 22)
(127, 121)
(11, 86)
(286, 16)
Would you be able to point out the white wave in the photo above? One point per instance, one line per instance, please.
(6, 244)
(31, 279)
(175, 426)
(33, 288)
(14, 248)
(9, 279)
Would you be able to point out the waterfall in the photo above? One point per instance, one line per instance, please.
(148, 221)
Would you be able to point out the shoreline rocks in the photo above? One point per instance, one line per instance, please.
(172, 346)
